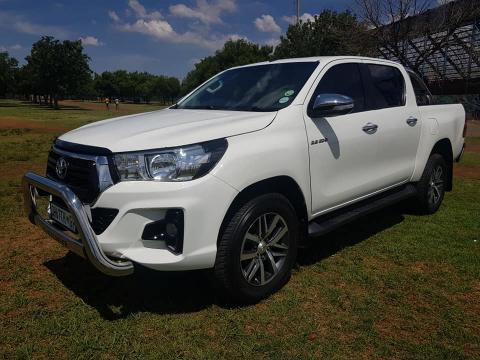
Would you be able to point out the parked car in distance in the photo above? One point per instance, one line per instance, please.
(246, 167)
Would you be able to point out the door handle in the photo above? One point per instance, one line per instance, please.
(412, 121)
(370, 128)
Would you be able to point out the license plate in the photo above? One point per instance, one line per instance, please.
(63, 217)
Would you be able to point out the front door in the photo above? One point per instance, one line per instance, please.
(343, 149)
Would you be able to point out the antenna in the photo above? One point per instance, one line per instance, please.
(298, 11)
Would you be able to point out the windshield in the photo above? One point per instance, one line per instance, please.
(268, 87)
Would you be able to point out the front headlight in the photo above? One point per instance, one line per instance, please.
(175, 164)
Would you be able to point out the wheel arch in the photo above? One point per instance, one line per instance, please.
(443, 147)
(284, 185)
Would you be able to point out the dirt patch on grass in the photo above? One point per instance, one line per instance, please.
(473, 128)
(421, 267)
(84, 105)
(12, 122)
(471, 302)
(475, 148)
(467, 172)
(14, 170)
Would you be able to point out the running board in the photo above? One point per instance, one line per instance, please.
(328, 222)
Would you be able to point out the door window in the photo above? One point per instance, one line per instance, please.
(385, 86)
(422, 94)
(343, 79)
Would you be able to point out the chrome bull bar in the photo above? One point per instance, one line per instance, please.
(88, 246)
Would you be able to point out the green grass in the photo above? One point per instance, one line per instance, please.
(71, 114)
(393, 285)
(470, 159)
(474, 141)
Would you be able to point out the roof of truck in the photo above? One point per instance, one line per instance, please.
(321, 59)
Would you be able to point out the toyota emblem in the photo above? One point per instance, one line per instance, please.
(61, 168)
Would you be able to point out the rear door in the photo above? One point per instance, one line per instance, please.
(392, 107)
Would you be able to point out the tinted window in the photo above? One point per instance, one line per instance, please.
(343, 79)
(268, 87)
(385, 87)
(422, 94)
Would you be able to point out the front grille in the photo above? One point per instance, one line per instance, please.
(81, 176)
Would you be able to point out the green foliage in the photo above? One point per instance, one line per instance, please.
(8, 73)
(233, 53)
(331, 33)
(136, 86)
(57, 68)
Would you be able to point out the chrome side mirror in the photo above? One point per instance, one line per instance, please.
(331, 105)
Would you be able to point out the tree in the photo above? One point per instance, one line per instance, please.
(398, 24)
(57, 68)
(136, 86)
(330, 33)
(173, 88)
(8, 74)
(105, 84)
(233, 53)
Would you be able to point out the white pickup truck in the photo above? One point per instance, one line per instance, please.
(246, 167)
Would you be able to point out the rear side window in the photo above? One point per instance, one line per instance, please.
(422, 94)
(385, 86)
(343, 79)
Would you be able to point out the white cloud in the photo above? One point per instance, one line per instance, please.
(141, 12)
(162, 30)
(155, 26)
(205, 11)
(266, 23)
(90, 40)
(293, 19)
(113, 15)
(27, 27)
(159, 29)
(273, 42)
(15, 47)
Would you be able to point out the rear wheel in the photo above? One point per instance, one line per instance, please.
(431, 187)
(257, 249)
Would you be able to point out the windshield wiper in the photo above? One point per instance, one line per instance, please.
(202, 107)
(251, 108)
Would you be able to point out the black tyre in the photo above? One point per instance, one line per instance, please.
(257, 249)
(431, 187)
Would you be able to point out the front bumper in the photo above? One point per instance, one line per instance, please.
(204, 203)
(87, 245)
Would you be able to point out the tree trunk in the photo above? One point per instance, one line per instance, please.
(55, 102)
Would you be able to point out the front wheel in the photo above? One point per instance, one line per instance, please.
(431, 187)
(257, 249)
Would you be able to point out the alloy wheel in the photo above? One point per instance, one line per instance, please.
(436, 183)
(264, 249)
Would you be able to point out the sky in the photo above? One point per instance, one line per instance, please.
(159, 36)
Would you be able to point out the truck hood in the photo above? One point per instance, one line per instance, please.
(167, 128)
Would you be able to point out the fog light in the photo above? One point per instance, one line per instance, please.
(169, 229)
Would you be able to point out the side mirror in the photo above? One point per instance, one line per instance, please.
(331, 105)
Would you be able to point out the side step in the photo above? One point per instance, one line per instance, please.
(328, 222)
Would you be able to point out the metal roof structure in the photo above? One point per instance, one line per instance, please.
(453, 68)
